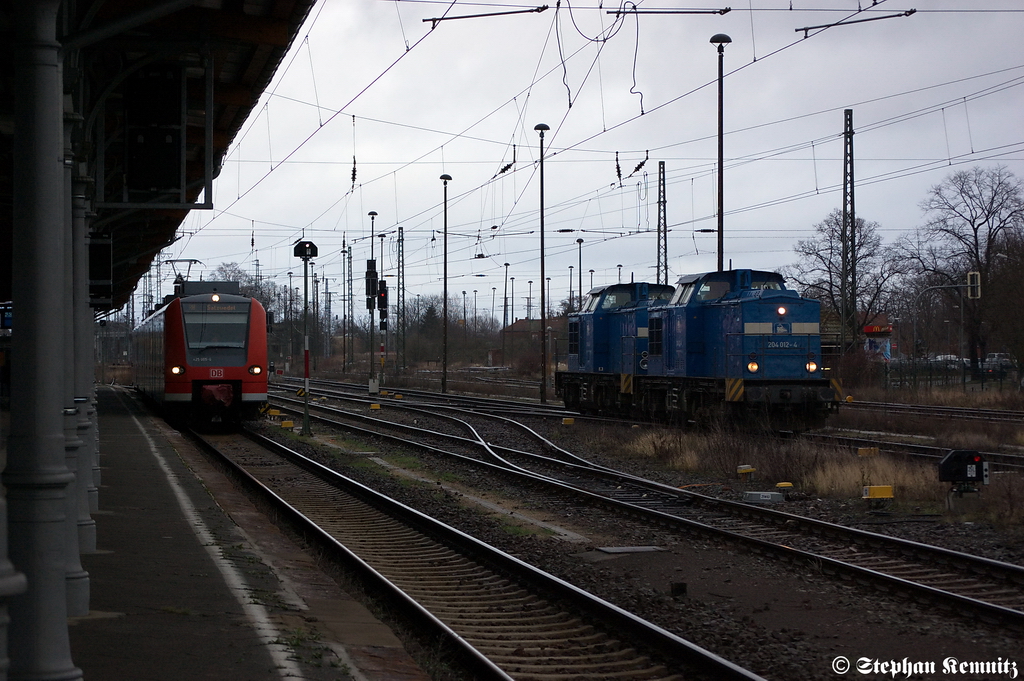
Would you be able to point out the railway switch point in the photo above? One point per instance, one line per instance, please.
(745, 471)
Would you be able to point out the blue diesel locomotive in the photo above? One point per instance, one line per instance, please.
(734, 344)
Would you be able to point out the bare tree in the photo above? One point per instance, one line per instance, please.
(818, 270)
(971, 218)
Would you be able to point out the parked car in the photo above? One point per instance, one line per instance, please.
(998, 365)
(950, 362)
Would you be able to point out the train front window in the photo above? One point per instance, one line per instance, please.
(713, 290)
(216, 325)
(616, 299)
(682, 294)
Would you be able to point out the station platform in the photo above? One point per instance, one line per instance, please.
(191, 581)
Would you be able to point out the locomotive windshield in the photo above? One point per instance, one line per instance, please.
(216, 325)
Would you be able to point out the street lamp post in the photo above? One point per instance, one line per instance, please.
(291, 324)
(591, 279)
(305, 250)
(620, 273)
(446, 178)
(371, 294)
(512, 316)
(541, 128)
(721, 40)
(570, 289)
(579, 306)
(504, 318)
(548, 280)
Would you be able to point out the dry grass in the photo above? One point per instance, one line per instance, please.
(674, 449)
(1003, 501)
(843, 479)
(993, 397)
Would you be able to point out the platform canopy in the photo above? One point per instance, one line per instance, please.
(155, 91)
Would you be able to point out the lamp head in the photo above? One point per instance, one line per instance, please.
(446, 177)
(720, 39)
(541, 127)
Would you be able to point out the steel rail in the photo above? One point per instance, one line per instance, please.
(1011, 574)
(652, 637)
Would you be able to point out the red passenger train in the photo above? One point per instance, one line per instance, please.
(203, 356)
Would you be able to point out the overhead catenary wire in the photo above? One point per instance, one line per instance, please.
(560, 152)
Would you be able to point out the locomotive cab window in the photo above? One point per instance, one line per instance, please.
(682, 294)
(767, 285)
(616, 299)
(713, 290)
(213, 325)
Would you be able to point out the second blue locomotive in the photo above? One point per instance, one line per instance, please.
(736, 344)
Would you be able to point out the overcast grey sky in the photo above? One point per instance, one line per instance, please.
(933, 92)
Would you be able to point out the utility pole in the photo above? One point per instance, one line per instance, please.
(400, 331)
(350, 343)
(848, 284)
(662, 276)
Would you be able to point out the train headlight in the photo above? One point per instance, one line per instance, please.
(255, 370)
(215, 298)
(782, 311)
(178, 370)
(812, 367)
(752, 367)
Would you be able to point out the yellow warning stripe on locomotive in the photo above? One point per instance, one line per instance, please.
(734, 390)
(837, 386)
(626, 384)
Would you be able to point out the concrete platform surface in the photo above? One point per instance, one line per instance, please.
(191, 582)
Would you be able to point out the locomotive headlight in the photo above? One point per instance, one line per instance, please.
(178, 371)
(215, 298)
(782, 311)
(812, 367)
(255, 370)
(752, 367)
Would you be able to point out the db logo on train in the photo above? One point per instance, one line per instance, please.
(216, 373)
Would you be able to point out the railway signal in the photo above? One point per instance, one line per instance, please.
(305, 250)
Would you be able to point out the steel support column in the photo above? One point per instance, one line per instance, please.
(37, 476)
(77, 577)
(85, 395)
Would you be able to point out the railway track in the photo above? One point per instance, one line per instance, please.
(1004, 460)
(502, 618)
(988, 589)
(936, 411)
(357, 393)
